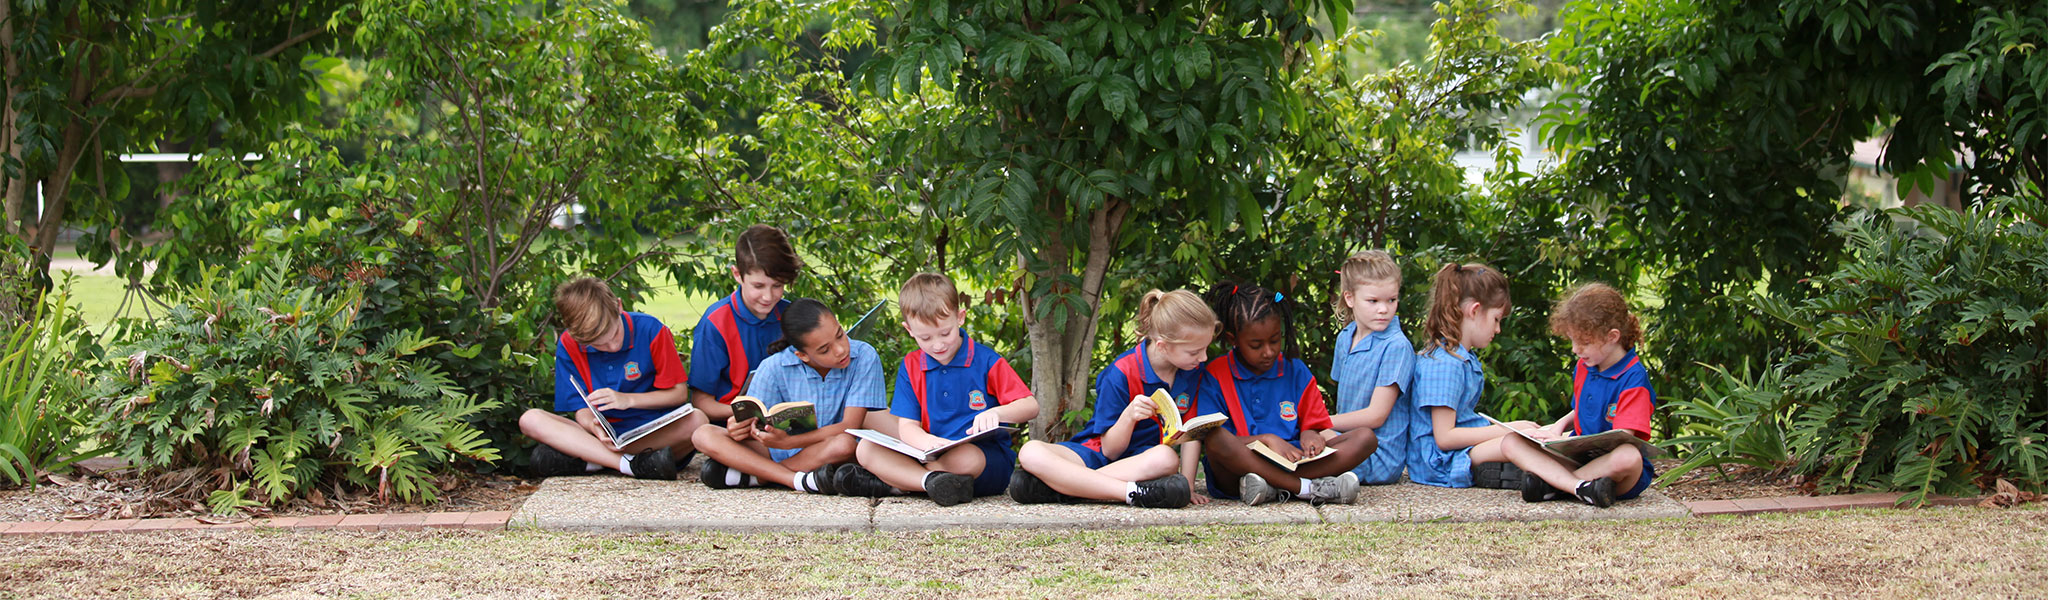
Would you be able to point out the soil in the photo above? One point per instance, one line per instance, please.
(1734, 482)
(105, 491)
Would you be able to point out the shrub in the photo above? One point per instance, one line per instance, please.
(1928, 369)
(1735, 419)
(40, 411)
(275, 387)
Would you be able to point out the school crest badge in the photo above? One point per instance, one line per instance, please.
(632, 371)
(1287, 411)
(1184, 402)
(977, 400)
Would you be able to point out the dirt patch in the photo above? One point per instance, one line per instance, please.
(1732, 482)
(120, 494)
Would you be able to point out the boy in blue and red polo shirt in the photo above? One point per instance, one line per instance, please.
(627, 370)
(1610, 390)
(733, 336)
(949, 388)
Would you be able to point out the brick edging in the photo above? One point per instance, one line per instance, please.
(483, 521)
(1793, 504)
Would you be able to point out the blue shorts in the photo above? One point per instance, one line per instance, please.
(1000, 462)
(779, 454)
(1642, 482)
(1091, 457)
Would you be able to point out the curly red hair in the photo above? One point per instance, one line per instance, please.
(1593, 309)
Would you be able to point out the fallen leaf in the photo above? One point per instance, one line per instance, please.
(217, 519)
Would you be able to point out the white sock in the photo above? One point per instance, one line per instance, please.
(733, 477)
(591, 467)
(1306, 486)
(1131, 493)
(626, 465)
(805, 483)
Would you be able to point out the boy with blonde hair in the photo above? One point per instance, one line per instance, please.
(614, 365)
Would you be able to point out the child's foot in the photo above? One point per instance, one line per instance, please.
(817, 481)
(1026, 488)
(1497, 476)
(1535, 489)
(1255, 491)
(717, 476)
(1598, 492)
(658, 463)
(549, 462)
(947, 489)
(854, 480)
(1171, 491)
(1342, 489)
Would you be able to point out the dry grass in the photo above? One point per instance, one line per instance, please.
(1940, 553)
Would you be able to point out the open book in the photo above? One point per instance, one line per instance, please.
(621, 439)
(924, 456)
(786, 416)
(1274, 455)
(1578, 449)
(1172, 430)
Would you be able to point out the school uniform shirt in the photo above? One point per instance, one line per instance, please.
(730, 341)
(1444, 377)
(646, 361)
(1113, 394)
(1282, 401)
(1382, 358)
(977, 379)
(1618, 397)
(782, 377)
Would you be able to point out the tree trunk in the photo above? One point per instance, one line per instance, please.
(1061, 350)
(15, 188)
(57, 183)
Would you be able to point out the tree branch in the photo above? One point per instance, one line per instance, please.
(289, 42)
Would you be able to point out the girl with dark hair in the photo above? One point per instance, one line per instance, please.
(814, 362)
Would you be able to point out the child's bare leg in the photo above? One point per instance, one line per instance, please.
(1538, 462)
(1153, 463)
(565, 435)
(1352, 448)
(1060, 468)
(834, 450)
(1228, 454)
(748, 457)
(681, 442)
(962, 460)
(899, 471)
(1624, 465)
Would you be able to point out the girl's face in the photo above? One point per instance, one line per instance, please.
(1259, 342)
(1373, 303)
(827, 346)
(1480, 324)
(938, 339)
(1187, 354)
(759, 292)
(1600, 351)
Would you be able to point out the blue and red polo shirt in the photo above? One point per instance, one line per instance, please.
(1113, 394)
(728, 343)
(1618, 397)
(1282, 401)
(646, 361)
(954, 392)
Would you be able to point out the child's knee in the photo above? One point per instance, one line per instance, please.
(1033, 456)
(1627, 455)
(703, 435)
(533, 420)
(1161, 458)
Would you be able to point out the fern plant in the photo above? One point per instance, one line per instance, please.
(1928, 370)
(1736, 419)
(275, 388)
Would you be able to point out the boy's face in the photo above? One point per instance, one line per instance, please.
(936, 338)
(1374, 303)
(1599, 350)
(827, 346)
(613, 338)
(759, 292)
(1259, 344)
(1480, 324)
(1187, 354)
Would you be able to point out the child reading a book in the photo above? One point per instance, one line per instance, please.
(1610, 390)
(1272, 401)
(1373, 363)
(1118, 456)
(949, 388)
(613, 365)
(814, 362)
(734, 334)
(1448, 436)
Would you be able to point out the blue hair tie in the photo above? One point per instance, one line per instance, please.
(1277, 296)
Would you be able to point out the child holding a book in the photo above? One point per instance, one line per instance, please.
(613, 365)
(734, 334)
(1373, 363)
(1118, 457)
(814, 362)
(1610, 390)
(949, 388)
(1271, 400)
(1448, 436)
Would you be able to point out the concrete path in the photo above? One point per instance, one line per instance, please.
(617, 504)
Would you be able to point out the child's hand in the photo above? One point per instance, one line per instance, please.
(1286, 450)
(588, 421)
(1311, 444)
(741, 431)
(607, 399)
(1195, 494)
(774, 438)
(984, 421)
(1139, 409)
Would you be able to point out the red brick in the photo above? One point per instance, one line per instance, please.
(1861, 500)
(113, 526)
(404, 522)
(446, 520)
(29, 528)
(278, 522)
(1758, 505)
(70, 526)
(154, 525)
(318, 522)
(488, 520)
(360, 522)
(187, 524)
(1801, 503)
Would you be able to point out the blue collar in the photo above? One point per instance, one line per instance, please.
(1145, 364)
(743, 314)
(1372, 338)
(1628, 359)
(1238, 369)
(963, 357)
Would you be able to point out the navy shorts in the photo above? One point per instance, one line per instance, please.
(999, 463)
(1642, 482)
(1091, 457)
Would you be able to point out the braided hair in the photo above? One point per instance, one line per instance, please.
(1238, 305)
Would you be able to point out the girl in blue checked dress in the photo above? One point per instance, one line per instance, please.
(1447, 437)
(1373, 363)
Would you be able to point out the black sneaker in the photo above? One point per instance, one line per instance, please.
(1598, 492)
(1026, 488)
(820, 480)
(549, 462)
(1535, 489)
(947, 489)
(1171, 491)
(713, 474)
(658, 463)
(855, 480)
(1497, 476)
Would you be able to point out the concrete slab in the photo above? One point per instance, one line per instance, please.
(618, 504)
(906, 513)
(1409, 502)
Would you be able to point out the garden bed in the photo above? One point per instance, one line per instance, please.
(1735, 482)
(120, 494)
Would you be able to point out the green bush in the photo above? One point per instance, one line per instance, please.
(1928, 369)
(279, 389)
(40, 411)
(1735, 419)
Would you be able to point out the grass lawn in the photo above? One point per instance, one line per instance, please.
(1927, 553)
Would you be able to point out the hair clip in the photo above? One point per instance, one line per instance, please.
(1277, 296)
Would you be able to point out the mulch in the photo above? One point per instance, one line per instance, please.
(106, 491)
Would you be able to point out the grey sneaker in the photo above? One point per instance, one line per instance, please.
(1342, 489)
(1255, 491)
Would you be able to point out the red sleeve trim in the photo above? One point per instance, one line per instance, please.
(668, 364)
(1315, 414)
(1632, 411)
(1004, 384)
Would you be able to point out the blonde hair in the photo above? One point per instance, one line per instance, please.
(1170, 316)
(1364, 267)
(1592, 309)
(929, 297)
(587, 308)
(1454, 285)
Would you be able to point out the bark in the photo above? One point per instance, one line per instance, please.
(57, 184)
(1061, 351)
(14, 188)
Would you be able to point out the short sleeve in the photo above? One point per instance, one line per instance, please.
(1632, 411)
(1315, 412)
(566, 398)
(767, 386)
(1397, 367)
(668, 363)
(1208, 394)
(864, 379)
(1437, 383)
(1004, 384)
(1111, 398)
(904, 403)
(707, 359)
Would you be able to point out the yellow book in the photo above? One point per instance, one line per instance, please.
(1274, 455)
(1172, 430)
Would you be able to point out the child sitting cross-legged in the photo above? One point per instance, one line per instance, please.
(1610, 390)
(814, 362)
